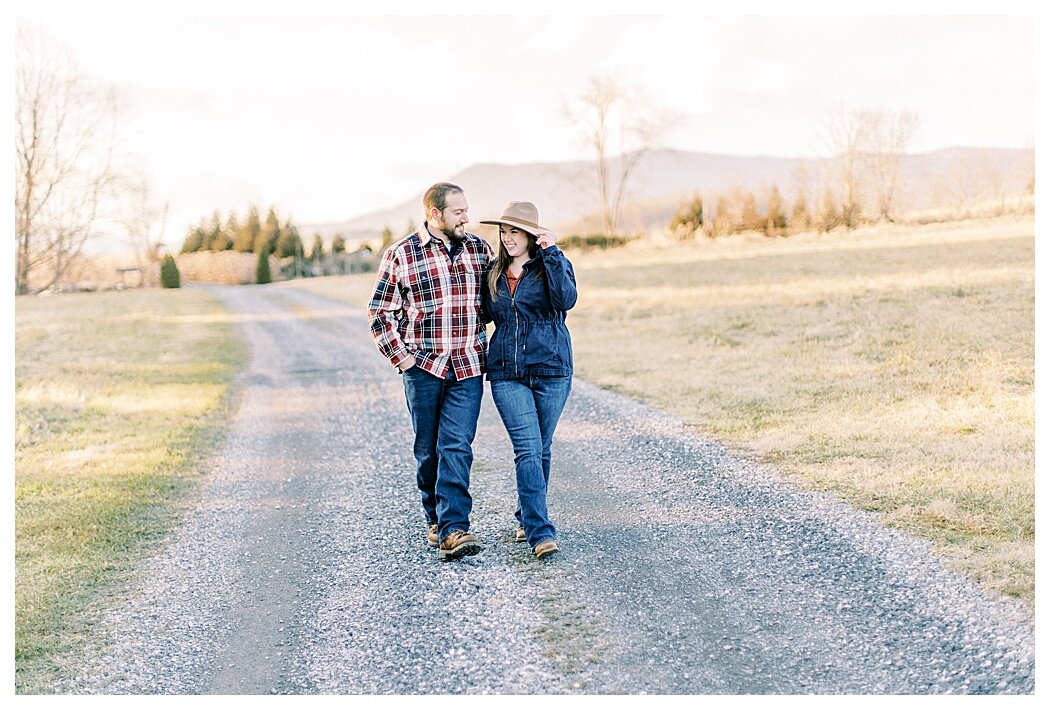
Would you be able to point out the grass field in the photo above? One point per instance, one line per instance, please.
(118, 395)
(891, 366)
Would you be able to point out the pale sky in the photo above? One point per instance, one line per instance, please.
(330, 117)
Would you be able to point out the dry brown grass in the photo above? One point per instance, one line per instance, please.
(891, 366)
(99, 272)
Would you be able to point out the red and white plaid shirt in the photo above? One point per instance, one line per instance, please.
(428, 306)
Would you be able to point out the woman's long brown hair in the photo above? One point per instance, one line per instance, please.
(503, 261)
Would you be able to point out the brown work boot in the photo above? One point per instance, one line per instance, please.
(458, 543)
(545, 549)
(520, 536)
(432, 536)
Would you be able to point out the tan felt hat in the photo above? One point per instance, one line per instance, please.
(522, 215)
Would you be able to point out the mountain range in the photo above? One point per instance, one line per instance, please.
(566, 194)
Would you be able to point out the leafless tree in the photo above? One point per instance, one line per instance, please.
(1023, 177)
(868, 145)
(884, 137)
(616, 120)
(844, 135)
(144, 221)
(65, 147)
(976, 183)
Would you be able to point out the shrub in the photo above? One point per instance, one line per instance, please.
(169, 272)
(262, 271)
(776, 219)
(592, 241)
(800, 217)
(689, 218)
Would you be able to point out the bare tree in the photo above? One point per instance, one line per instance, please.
(844, 137)
(65, 176)
(1021, 177)
(884, 137)
(1027, 170)
(976, 182)
(616, 120)
(144, 221)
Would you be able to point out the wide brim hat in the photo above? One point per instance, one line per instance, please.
(522, 215)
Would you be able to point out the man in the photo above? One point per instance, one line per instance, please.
(426, 320)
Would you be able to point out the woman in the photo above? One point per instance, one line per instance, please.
(528, 288)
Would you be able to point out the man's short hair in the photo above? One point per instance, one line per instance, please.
(437, 196)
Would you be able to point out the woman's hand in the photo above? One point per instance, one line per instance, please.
(545, 238)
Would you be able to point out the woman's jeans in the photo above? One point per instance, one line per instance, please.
(444, 418)
(530, 408)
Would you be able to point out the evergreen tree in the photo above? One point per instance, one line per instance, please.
(169, 272)
(245, 239)
(212, 231)
(262, 268)
(288, 241)
(271, 232)
(231, 230)
(751, 221)
(338, 244)
(723, 223)
(800, 218)
(217, 240)
(317, 250)
(776, 220)
(830, 215)
(194, 241)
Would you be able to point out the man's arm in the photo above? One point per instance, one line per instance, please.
(483, 282)
(385, 310)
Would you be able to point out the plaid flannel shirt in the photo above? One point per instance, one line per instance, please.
(427, 306)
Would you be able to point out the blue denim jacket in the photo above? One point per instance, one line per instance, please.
(531, 337)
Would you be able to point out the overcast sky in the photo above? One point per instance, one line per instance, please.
(330, 117)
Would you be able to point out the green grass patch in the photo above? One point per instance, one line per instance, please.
(118, 397)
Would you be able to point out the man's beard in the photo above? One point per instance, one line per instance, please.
(450, 232)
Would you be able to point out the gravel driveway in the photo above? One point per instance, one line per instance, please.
(304, 567)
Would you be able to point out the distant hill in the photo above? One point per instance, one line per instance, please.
(566, 194)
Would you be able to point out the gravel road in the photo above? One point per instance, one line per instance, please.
(304, 567)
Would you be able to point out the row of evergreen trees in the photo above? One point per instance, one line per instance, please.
(256, 236)
(736, 210)
(253, 235)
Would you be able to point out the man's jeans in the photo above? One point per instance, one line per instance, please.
(530, 408)
(445, 418)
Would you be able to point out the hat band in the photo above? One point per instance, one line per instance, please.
(519, 220)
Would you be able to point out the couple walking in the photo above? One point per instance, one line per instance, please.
(435, 291)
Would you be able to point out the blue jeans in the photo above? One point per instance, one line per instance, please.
(530, 408)
(444, 418)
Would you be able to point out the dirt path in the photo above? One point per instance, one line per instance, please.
(304, 568)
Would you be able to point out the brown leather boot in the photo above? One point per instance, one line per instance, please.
(458, 543)
(545, 549)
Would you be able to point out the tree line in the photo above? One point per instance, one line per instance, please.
(737, 210)
(72, 182)
(251, 235)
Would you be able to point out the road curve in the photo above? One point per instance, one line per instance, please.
(304, 569)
